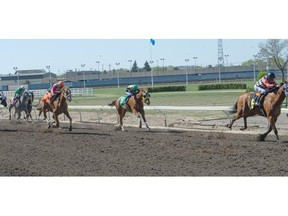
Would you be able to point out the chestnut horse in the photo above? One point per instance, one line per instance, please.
(60, 106)
(134, 105)
(44, 105)
(271, 108)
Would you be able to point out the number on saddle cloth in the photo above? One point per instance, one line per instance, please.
(254, 100)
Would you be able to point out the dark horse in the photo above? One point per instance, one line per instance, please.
(60, 106)
(135, 105)
(271, 107)
(23, 104)
(3, 99)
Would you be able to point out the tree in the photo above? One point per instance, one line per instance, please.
(134, 67)
(277, 51)
(147, 66)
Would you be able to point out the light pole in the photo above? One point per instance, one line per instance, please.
(48, 67)
(118, 63)
(254, 67)
(162, 59)
(98, 62)
(226, 56)
(130, 61)
(195, 58)
(152, 81)
(83, 65)
(15, 68)
(186, 60)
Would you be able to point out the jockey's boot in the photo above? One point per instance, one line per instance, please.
(256, 101)
(261, 100)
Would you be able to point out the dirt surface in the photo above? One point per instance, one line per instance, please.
(90, 149)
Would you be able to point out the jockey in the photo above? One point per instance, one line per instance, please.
(56, 91)
(46, 97)
(265, 84)
(131, 90)
(19, 91)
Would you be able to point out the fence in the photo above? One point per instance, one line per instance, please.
(41, 92)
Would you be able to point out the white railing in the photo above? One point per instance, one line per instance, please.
(41, 92)
(80, 109)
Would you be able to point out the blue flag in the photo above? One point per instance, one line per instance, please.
(152, 42)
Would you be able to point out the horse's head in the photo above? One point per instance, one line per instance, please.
(3, 99)
(32, 95)
(27, 95)
(66, 92)
(146, 97)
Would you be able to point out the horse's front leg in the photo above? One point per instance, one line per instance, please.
(70, 120)
(272, 122)
(262, 137)
(121, 116)
(10, 107)
(56, 120)
(144, 119)
(19, 115)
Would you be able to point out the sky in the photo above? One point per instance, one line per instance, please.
(70, 54)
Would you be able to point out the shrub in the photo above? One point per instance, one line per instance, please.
(222, 86)
(167, 88)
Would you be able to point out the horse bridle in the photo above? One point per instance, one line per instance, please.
(67, 94)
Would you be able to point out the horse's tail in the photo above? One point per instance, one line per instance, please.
(113, 103)
(234, 108)
(37, 105)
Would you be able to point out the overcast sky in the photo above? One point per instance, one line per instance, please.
(64, 54)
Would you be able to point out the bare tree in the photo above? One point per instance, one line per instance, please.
(277, 51)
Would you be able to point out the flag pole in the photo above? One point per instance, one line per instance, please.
(151, 62)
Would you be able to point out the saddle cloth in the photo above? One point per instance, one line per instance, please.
(124, 99)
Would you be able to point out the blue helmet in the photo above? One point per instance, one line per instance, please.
(271, 75)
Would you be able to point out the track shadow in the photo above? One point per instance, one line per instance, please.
(8, 130)
(84, 133)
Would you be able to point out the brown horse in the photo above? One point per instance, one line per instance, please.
(44, 105)
(134, 105)
(60, 106)
(271, 107)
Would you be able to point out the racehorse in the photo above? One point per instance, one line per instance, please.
(271, 108)
(60, 106)
(44, 105)
(3, 99)
(134, 105)
(23, 104)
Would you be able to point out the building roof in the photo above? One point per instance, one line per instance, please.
(32, 71)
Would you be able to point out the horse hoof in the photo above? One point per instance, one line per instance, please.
(229, 126)
(261, 138)
(70, 129)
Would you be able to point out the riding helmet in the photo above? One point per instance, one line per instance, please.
(271, 75)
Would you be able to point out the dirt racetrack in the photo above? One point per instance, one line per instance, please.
(30, 149)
